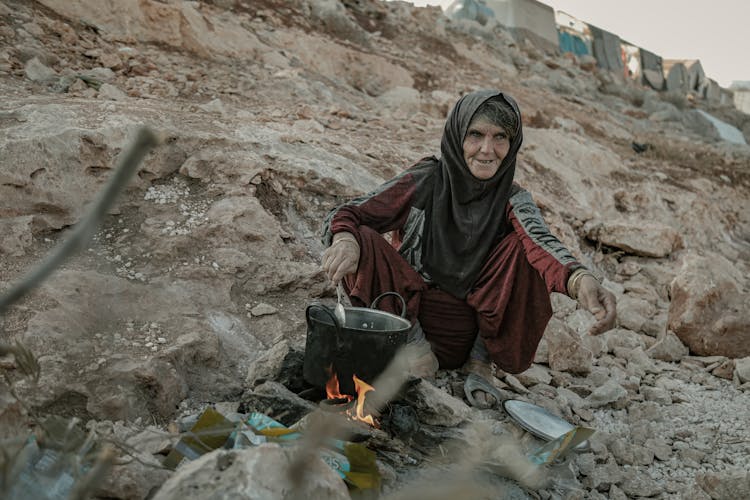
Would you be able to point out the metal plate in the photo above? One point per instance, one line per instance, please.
(539, 422)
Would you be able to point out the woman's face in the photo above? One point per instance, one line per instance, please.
(485, 147)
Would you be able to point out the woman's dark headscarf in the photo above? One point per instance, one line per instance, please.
(466, 216)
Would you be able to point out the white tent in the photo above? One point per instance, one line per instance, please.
(527, 18)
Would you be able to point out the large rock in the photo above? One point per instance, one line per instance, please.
(648, 239)
(566, 160)
(38, 72)
(742, 368)
(728, 485)
(17, 235)
(566, 351)
(334, 17)
(436, 407)
(133, 478)
(181, 25)
(55, 170)
(129, 353)
(708, 311)
(253, 474)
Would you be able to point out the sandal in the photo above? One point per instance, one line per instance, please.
(475, 382)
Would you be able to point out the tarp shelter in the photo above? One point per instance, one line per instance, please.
(631, 59)
(696, 76)
(528, 19)
(572, 43)
(741, 95)
(727, 132)
(573, 34)
(607, 49)
(727, 98)
(713, 91)
(676, 76)
(652, 70)
(473, 10)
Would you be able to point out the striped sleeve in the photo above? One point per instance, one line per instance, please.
(383, 210)
(543, 250)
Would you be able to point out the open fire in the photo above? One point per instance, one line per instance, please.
(355, 412)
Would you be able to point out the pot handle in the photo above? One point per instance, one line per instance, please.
(403, 302)
(330, 315)
(325, 310)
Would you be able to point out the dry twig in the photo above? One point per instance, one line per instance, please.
(128, 163)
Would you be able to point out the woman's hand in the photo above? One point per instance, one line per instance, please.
(598, 301)
(342, 257)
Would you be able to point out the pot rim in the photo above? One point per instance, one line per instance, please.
(407, 325)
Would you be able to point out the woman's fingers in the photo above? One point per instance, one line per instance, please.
(339, 260)
(600, 302)
(607, 321)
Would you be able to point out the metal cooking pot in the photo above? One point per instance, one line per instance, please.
(363, 346)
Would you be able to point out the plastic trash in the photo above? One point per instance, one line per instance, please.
(210, 432)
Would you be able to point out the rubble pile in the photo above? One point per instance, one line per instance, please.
(193, 290)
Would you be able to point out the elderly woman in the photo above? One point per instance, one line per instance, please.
(469, 251)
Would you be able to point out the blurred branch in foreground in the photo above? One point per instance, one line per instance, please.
(128, 163)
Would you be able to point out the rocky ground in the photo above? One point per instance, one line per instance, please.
(193, 290)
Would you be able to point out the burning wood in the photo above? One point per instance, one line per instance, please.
(355, 412)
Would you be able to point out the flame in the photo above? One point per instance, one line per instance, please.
(332, 387)
(361, 387)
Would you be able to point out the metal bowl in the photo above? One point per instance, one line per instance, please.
(540, 422)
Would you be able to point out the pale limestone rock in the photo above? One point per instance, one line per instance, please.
(263, 309)
(133, 478)
(622, 337)
(662, 450)
(109, 91)
(633, 313)
(276, 396)
(436, 407)
(151, 441)
(102, 75)
(334, 16)
(669, 348)
(438, 103)
(616, 493)
(38, 72)
(648, 239)
(609, 393)
(594, 343)
(637, 484)
(178, 25)
(307, 127)
(727, 485)
(515, 384)
(214, 106)
(402, 101)
(566, 351)
(252, 474)
(627, 453)
(535, 374)
(268, 365)
(742, 368)
(725, 369)
(586, 463)
(17, 235)
(563, 305)
(639, 363)
(542, 352)
(656, 395)
(708, 308)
